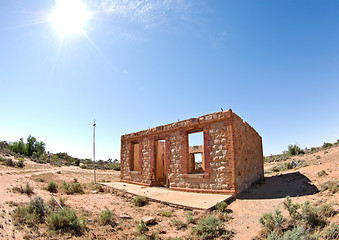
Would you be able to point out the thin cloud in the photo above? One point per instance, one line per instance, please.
(219, 39)
(151, 13)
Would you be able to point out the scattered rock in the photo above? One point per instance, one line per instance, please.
(162, 231)
(95, 192)
(125, 216)
(149, 220)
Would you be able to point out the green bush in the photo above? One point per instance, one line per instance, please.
(20, 164)
(327, 144)
(273, 222)
(326, 210)
(107, 217)
(32, 213)
(322, 173)
(296, 233)
(281, 167)
(178, 223)
(140, 201)
(210, 228)
(332, 232)
(66, 221)
(310, 216)
(332, 186)
(76, 188)
(27, 189)
(72, 188)
(292, 208)
(221, 206)
(61, 200)
(305, 223)
(294, 150)
(9, 162)
(52, 187)
(190, 218)
(165, 213)
(142, 227)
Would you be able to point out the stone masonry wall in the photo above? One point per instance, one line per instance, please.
(223, 140)
(249, 155)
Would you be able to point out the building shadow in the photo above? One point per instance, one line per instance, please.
(280, 186)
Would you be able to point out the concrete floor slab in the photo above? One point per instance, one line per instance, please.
(203, 201)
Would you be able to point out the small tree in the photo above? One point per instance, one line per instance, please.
(294, 150)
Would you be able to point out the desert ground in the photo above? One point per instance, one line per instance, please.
(301, 184)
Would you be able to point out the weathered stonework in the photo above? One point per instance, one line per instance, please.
(232, 155)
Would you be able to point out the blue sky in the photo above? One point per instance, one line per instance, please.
(141, 64)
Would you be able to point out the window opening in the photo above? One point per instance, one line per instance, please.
(196, 162)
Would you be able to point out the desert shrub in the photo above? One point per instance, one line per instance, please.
(332, 186)
(294, 150)
(61, 201)
(76, 188)
(327, 144)
(210, 228)
(322, 173)
(332, 232)
(38, 207)
(326, 210)
(178, 223)
(115, 166)
(305, 223)
(107, 217)
(28, 189)
(296, 233)
(32, 213)
(190, 218)
(99, 188)
(20, 163)
(281, 167)
(142, 227)
(9, 162)
(272, 222)
(292, 208)
(77, 162)
(22, 216)
(52, 187)
(277, 158)
(72, 188)
(24, 190)
(165, 213)
(221, 206)
(310, 216)
(140, 201)
(66, 221)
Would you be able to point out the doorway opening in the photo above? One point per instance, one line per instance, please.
(160, 172)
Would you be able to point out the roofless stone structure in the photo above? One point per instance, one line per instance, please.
(214, 153)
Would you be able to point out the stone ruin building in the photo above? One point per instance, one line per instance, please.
(214, 153)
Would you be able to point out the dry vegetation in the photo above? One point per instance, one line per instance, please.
(91, 211)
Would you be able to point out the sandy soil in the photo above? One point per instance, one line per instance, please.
(301, 184)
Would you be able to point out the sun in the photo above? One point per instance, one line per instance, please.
(69, 17)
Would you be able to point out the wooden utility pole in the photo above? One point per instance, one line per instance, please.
(95, 179)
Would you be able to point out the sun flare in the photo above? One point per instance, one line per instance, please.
(70, 16)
